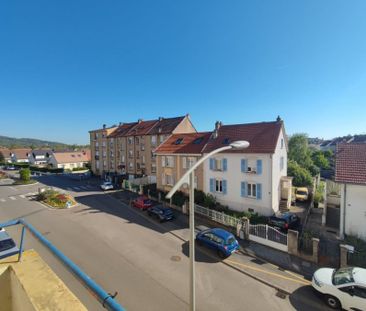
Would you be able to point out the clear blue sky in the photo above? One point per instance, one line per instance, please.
(67, 67)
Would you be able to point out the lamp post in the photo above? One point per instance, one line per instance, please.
(188, 178)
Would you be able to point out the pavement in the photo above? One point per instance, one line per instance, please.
(126, 251)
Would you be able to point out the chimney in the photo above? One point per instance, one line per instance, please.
(161, 118)
(104, 126)
(139, 121)
(278, 119)
(216, 131)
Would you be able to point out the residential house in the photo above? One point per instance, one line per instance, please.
(5, 153)
(128, 147)
(253, 179)
(39, 157)
(20, 155)
(176, 155)
(350, 172)
(70, 160)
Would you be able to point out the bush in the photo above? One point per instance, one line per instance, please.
(199, 197)
(24, 174)
(209, 201)
(179, 198)
(75, 169)
(301, 176)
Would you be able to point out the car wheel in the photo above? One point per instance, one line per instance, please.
(221, 254)
(149, 213)
(199, 242)
(332, 302)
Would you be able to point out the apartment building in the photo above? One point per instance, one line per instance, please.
(129, 146)
(99, 152)
(178, 154)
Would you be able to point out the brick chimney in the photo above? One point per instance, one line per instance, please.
(216, 131)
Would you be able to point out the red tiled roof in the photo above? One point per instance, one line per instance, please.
(188, 144)
(21, 153)
(5, 152)
(351, 163)
(72, 157)
(122, 129)
(166, 126)
(262, 137)
(141, 128)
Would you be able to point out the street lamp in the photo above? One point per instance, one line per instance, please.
(188, 178)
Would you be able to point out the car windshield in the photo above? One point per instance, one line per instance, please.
(301, 192)
(6, 244)
(230, 241)
(343, 276)
(147, 201)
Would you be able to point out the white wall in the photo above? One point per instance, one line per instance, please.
(234, 177)
(277, 172)
(355, 210)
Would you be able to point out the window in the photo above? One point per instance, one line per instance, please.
(137, 140)
(130, 140)
(104, 163)
(218, 164)
(218, 185)
(282, 143)
(188, 162)
(142, 147)
(167, 161)
(96, 145)
(96, 135)
(97, 153)
(137, 165)
(252, 190)
(178, 141)
(226, 141)
(153, 140)
(162, 138)
(153, 168)
(123, 159)
(130, 165)
(167, 180)
(104, 154)
(282, 163)
(97, 165)
(198, 140)
(103, 143)
(143, 159)
(137, 154)
(130, 153)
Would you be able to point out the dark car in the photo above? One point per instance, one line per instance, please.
(7, 245)
(161, 213)
(218, 239)
(284, 221)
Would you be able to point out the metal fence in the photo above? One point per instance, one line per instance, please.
(268, 233)
(219, 217)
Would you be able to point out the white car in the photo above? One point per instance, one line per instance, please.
(106, 186)
(343, 288)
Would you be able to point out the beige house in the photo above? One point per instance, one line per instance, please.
(69, 160)
(127, 148)
(176, 155)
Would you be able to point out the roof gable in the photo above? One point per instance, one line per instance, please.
(351, 163)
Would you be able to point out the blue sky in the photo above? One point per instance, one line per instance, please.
(67, 67)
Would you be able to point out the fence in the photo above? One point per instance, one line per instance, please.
(219, 217)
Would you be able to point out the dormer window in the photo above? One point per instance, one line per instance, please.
(178, 141)
(198, 140)
(226, 141)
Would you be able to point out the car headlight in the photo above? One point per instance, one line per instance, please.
(317, 282)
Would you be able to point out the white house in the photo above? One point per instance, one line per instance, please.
(350, 172)
(20, 155)
(40, 156)
(70, 160)
(252, 179)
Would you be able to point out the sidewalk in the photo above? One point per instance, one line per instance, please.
(274, 268)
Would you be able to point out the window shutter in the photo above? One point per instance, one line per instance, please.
(163, 179)
(163, 161)
(224, 187)
(172, 163)
(224, 165)
(244, 165)
(243, 189)
(259, 191)
(259, 167)
(211, 164)
(212, 185)
(184, 159)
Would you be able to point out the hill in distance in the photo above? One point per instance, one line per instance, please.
(10, 142)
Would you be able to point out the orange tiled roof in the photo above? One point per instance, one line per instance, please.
(166, 126)
(351, 163)
(21, 153)
(262, 137)
(72, 157)
(191, 143)
(122, 129)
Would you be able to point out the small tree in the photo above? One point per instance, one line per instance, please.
(302, 176)
(320, 160)
(25, 174)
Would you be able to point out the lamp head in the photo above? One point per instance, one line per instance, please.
(240, 144)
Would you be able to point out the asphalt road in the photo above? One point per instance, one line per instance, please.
(126, 252)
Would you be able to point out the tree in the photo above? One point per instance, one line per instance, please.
(320, 159)
(299, 150)
(25, 174)
(2, 158)
(301, 176)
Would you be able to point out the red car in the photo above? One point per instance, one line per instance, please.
(142, 203)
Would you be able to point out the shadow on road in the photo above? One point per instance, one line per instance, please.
(306, 298)
(200, 254)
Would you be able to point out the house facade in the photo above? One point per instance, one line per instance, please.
(178, 154)
(253, 179)
(20, 155)
(39, 156)
(351, 174)
(69, 160)
(127, 148)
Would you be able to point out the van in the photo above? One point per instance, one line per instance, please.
(302, 194)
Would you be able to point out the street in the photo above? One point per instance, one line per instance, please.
(144, 261)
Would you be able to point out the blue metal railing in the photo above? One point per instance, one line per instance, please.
(106, 299)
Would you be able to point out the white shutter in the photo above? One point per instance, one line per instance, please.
(184, 159)
(163, 161)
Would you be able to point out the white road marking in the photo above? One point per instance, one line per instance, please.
(12, 188)
(2, 200)
(12, 198)
(22, 196)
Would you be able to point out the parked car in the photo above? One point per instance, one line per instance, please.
(222, 241)
(161, 213)
(344, 288)
(302, 194)
(284, 221)
(7, 245)
(142, 203)
(10, 168)
(107, 185)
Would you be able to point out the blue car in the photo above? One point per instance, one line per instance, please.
(161, 213)
(7, 245)
(218, 239)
